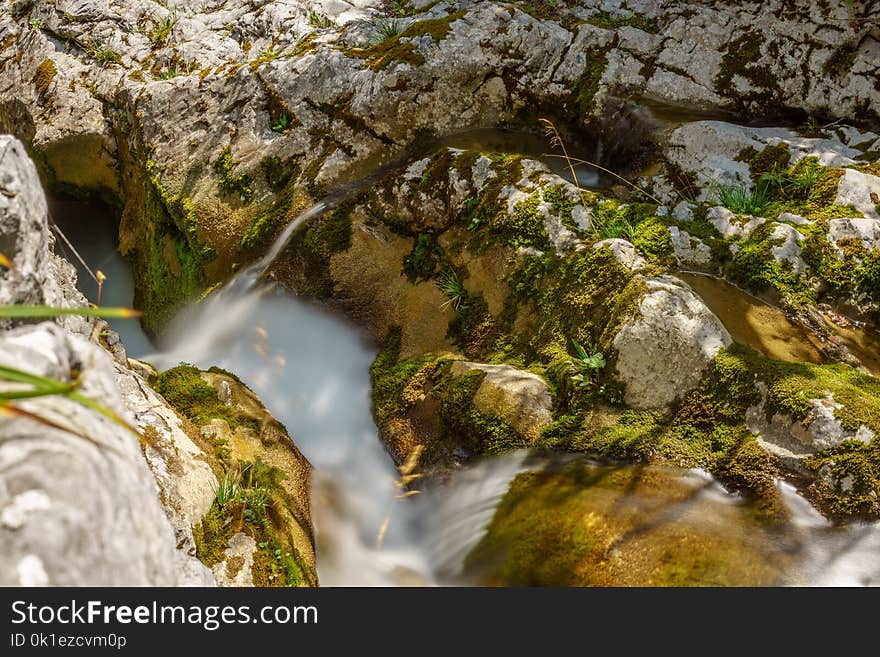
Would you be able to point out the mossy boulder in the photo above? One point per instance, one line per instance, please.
(580, 524)
(261, 517)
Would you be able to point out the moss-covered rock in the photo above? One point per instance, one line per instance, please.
(579, 524)
(264, 488)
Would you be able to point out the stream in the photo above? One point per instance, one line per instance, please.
(311, 369)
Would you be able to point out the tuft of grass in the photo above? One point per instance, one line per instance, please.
(382, 29)
(453, 289)
(104, 56)
(161, 30)
(319, 20)
(742, 200)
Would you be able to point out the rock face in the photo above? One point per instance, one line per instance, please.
(79, 507)
(793, 440)
(216, 117)
(666, 349)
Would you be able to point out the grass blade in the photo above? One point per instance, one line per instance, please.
(48, 312)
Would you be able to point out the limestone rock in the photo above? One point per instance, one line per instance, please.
(520, 398)
(665, 350)
(865, 229)
(862, 191)
(792, 440)
(689, 250)
(79, 507)
(624, 252)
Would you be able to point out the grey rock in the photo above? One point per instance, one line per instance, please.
(667, 348)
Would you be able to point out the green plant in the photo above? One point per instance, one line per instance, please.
(42, 386)
(228, 489)
(586, 366)
(102, 55)
(382, 29)
(168, 74)
(319, 20)
(740, 199)
(282, 124)
(162, 30)
(453, 289)
(35, 23)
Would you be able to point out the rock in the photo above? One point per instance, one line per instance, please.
(864, 229)
(861, 190)
(24, 234)
(237, 566)
(796, 219)
(79, 507)
(712, 150)
(181, 467)
(793, 440)
(733, 225)
(789, 250)
(520, 398)
(666, 349)
(689, 250)
(624, 252)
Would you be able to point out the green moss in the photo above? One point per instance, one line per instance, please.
(561, 205)
(652, 238)
(422, 262)
(44, 76)
(278, 172)
(389, 375)
(525, 226)
(268, 222)
(240, 184)
(755, 267)
(462, 423)
(608, 21)
(184, 388)
(765, 160)
(848, 480)
(400, 48)
(587, 85)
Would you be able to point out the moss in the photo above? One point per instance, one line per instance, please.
(240, 184)
(741, 59)
(755, 267)
(44, 76)
(765, 160)
(184, 388)
(278, 172)
(841, 61)
(524, 226)
(561, 205)
(421, 263)
(400, 48)
(586, 86)
(576, 524)
(608, 21)
(389, 376)
(462, 423)
(268, 222)
(848, 480)
(652, 238)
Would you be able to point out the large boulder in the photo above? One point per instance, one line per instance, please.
(78, 504)
(666, 348)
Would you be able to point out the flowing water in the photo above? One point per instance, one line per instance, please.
(311, 369)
